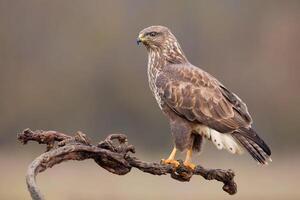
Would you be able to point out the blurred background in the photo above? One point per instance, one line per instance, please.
(74, 65)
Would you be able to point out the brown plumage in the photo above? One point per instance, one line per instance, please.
(196, 103)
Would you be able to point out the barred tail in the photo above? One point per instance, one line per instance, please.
(257, 148)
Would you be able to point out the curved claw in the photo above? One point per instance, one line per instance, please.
(170, 161)
(189, 165)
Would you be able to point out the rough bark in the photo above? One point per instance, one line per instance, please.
(115, 157)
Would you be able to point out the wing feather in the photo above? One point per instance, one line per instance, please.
(199, 97)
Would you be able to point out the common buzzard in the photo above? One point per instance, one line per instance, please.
(196, 103)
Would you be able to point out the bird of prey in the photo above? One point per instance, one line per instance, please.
(197, 105)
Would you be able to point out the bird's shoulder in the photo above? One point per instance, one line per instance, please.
(189, 75)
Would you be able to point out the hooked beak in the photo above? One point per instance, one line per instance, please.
(140, 39)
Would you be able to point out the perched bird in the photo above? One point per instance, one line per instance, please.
(197, 105)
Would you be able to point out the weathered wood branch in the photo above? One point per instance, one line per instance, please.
(115, 157)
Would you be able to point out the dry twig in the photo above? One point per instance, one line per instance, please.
(115, 158)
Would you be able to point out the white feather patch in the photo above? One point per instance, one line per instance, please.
(231, 145)
(220, 140)
(217, 139)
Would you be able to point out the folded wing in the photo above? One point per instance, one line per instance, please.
(198, 97)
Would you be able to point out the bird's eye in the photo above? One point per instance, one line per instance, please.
(153, 34)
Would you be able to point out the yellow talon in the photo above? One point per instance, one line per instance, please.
(169, 161)
(188, 159)
(189, 165)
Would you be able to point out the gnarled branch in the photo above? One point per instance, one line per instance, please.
(115, 158)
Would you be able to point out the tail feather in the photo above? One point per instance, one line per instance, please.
(253, 136)
(257, 148)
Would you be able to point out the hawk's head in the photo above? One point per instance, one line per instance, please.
(160, 40)
(156, 37)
